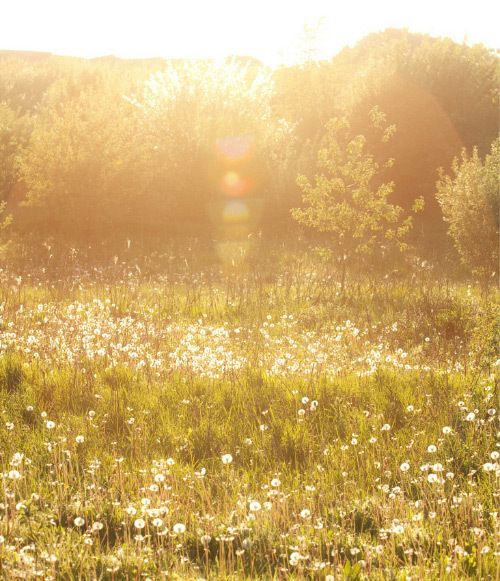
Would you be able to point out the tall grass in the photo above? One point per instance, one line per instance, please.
(253, 423)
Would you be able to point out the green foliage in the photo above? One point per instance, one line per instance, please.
(185, 111)
(5, 222)
(345, 199)
(470, 203)
(451, 90)
(79, 167)
(120, 148)
(14, 134)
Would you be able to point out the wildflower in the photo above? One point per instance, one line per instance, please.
(50, 425)
(17, 459)
(226, 459)
(305, 513)
(14, 474)
(294, 558)
(405, 466)
(275, 482)
(254, 506)
(432, 449)
(80, 439)
(446, 430)
(385, 428)
(179, 528)
(139, 523)
(79, 521)
(157, 522)
(470, 417)
(432, 478)
(398, 529)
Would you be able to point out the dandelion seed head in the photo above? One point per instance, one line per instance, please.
(226, 458)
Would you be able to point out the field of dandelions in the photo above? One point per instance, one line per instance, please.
(252, 423)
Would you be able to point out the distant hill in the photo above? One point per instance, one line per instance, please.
(27, 55)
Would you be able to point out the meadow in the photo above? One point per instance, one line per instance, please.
(248, 422)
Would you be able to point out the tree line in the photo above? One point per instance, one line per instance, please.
(94, 149)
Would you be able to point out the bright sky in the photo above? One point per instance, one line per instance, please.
(271, 30)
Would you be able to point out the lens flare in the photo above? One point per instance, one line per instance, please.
(234, 147)
(235, 212)
(235, 185)
(234, 176)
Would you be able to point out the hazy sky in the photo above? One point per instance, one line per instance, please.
(272, 30)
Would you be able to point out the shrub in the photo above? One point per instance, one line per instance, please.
(348, 199)
(469, 201)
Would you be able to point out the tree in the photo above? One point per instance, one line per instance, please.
(14, 136)
(347, 200)
(441, 95)
(79, 168)
(5, 222)
(189, 114)
(469, 200)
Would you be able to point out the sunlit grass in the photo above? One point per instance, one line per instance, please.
(256, 424)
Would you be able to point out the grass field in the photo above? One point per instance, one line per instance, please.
(249, 423)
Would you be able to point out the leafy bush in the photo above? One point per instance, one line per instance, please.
(469, 200)
(347, 199)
